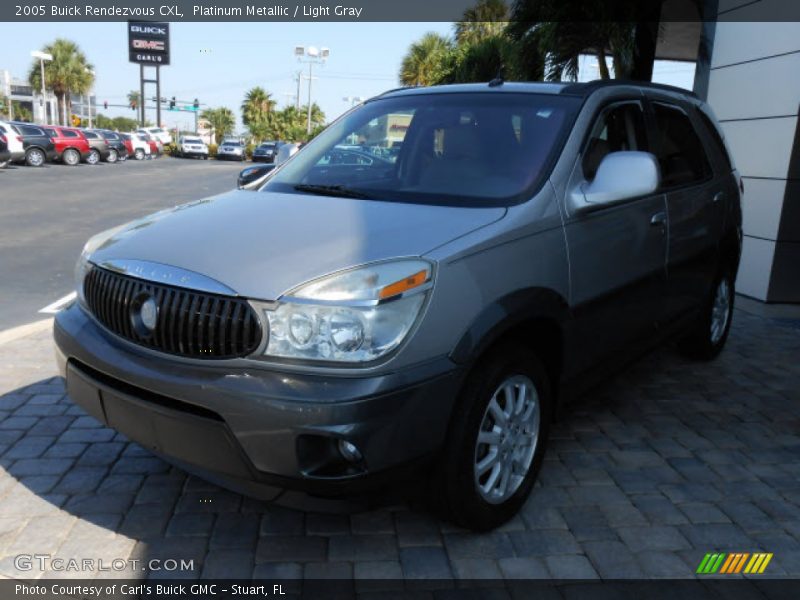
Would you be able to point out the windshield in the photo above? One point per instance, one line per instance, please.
(469, 149)
(191, 141)
(231, 143)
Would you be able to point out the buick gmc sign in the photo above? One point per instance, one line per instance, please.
(148, 42)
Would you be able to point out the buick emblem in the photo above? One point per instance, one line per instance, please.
(148, 313)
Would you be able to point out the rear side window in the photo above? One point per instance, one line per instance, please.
(680, 152)
(717, 144)
(621, 127)
(70, 134)
(90, 135)
(50, 132)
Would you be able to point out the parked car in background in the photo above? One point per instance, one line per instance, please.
(14, 142)
(37, 145)
(191, 146)
(5, 155)
(71, 145)
(161, 134)
(156, 147)
(266, 152)
(117, 150)
(99, 147)
(231, 150)
(126, 139)
(140, 146)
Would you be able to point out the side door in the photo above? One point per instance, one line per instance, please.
(617, 253)
(55, 137)
(695, 206)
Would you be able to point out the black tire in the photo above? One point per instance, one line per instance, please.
(35, 157)
(113, 156)
(93, 158)
(138, 154)
(455, 491)
(707, 336)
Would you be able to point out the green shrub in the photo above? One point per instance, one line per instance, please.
(212, 149)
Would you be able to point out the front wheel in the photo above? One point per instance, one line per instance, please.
(709, 332)
(138, 154)
(93, 158)
(70, 157)
(112, 156)
(496, 442)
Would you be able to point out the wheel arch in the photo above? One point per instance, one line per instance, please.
(534, 317)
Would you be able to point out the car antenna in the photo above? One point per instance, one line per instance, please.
(498, 79)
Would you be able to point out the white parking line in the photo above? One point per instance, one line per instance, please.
(56, 306)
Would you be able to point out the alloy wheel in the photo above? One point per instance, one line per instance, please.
(507, 439)
(720, 310)
(35, 158)
(93, 158)
(112, 156)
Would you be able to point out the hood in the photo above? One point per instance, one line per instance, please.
(263, 244)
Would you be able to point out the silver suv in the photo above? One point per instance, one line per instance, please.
(354, 322)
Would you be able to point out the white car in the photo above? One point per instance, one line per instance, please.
(189, 146)
(141, 147)
(231, 150)
(157, 132)
(14, 141)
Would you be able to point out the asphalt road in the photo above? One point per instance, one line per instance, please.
(47, 214)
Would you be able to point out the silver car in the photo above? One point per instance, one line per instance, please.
(354, 325)
(231, 150)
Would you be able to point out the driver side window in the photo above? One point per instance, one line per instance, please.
(619, 128)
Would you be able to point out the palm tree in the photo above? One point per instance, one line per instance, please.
(222, 121)
(257, 109)
(487, 19)
(426, 61)
(69, 72)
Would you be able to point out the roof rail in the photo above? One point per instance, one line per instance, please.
(584, 89)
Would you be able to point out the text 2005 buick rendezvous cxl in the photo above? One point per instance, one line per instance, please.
(494, 251)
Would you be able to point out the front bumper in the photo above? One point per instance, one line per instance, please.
(255, 429)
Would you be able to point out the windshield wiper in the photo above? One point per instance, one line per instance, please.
(339, 191)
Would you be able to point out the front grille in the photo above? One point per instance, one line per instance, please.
(187, 323)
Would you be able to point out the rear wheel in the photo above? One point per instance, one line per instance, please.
(34, 157)
(496, 441)
(709, 332)
(138, 154)
(71, 157)
(113, 156)
(93, 158)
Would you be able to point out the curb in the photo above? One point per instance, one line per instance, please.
(15, 333)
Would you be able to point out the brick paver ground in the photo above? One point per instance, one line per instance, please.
(668, 461)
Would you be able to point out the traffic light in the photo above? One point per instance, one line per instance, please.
(172, 103)
(105, 105)
(196, 104)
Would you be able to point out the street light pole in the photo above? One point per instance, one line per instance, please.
(314, 55)
(88, 70)
(43, 56)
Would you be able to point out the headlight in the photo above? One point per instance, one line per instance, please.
(354, 316)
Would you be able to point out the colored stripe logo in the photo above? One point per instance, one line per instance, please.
(734, 562)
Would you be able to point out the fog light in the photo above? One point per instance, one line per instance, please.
(349, 451)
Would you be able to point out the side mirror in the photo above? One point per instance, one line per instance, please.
(252, 177)
(620, 176)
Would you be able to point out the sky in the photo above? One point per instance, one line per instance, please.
(218, 62)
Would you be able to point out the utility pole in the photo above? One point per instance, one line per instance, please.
(297, 96)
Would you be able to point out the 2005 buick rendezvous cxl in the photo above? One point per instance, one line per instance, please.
(427, 308)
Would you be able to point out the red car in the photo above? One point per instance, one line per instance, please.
(71, 145)
(156, 147)
(126, 139)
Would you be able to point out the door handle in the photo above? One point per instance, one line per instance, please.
(719, 196)
(658, 219)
